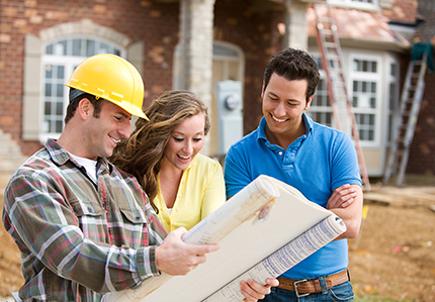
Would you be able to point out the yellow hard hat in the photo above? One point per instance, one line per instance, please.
(112, 78)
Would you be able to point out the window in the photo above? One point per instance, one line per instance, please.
(60, 59)
(320, 110)
(365, 80)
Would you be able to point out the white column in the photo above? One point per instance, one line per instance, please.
(196, 48)
(296, 33)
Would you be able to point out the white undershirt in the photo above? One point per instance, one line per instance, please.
(89, 165)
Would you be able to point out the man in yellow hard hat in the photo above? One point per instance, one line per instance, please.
(84, 227)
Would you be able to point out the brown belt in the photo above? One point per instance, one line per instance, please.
(305, 287)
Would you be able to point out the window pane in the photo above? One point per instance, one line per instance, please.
(47, 108)
(60, 74)
(76, 47)
(371, 135)
(375, 66)
(60, 48)
(103, 48)
(90, 48)
(49, 49)
(58, 127)
(48, 89)
(59, 108)
(48, 71)
(393, 69)
(59, 90)
(49, 125)
(221, 50)
(354, 101)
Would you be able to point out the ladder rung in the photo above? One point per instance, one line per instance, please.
(324, 19)
(330, 45)
(326, 31)
(402, 128)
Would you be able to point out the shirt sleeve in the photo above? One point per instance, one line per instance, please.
(236, 172)
(345, 168)
(47, 226)
(214, 192)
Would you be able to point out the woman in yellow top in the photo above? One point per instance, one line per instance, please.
(163, 154)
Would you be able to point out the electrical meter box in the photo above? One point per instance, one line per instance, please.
(230, 113)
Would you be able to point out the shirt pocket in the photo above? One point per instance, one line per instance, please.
(133, 216)
(86, 208)
(134, 229)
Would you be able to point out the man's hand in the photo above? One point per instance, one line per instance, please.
(175, 257)
(253, 291)
(342, 197)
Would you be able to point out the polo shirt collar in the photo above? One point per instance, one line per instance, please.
(261, 130)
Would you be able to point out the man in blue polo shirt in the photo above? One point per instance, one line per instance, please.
(317, 160)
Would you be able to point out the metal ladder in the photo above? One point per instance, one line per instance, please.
(405, 122)
(338, 96)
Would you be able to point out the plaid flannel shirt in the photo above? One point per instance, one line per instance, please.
(79, 239)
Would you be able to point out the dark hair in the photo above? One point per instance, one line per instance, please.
(293, 64)
(74, 98)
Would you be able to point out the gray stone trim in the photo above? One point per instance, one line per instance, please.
(32, 104)
(296, 24)
(135, 55)
(84, 27)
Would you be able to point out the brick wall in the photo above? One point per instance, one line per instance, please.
(154, 23)
(422, 160)
(426, 9)
(253, 30)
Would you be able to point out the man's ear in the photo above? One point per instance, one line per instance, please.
(309, 101)
(85, 109)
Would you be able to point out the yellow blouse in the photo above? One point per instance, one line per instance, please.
(201, 191)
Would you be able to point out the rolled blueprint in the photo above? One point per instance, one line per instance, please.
(253, 201)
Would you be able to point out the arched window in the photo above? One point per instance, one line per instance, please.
(49, 59)
(58, 62)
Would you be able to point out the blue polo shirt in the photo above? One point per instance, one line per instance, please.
(316, 163)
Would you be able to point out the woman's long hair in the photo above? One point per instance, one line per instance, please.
(142, 153)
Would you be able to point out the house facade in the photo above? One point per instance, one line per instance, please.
(208, 47)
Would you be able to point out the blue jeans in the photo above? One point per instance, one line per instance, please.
(342, 292)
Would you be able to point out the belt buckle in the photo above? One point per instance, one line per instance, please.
(295, 286)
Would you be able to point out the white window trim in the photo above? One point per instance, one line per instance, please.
(358, 5)
(390, 59)
(362, 76)
(240, 57)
